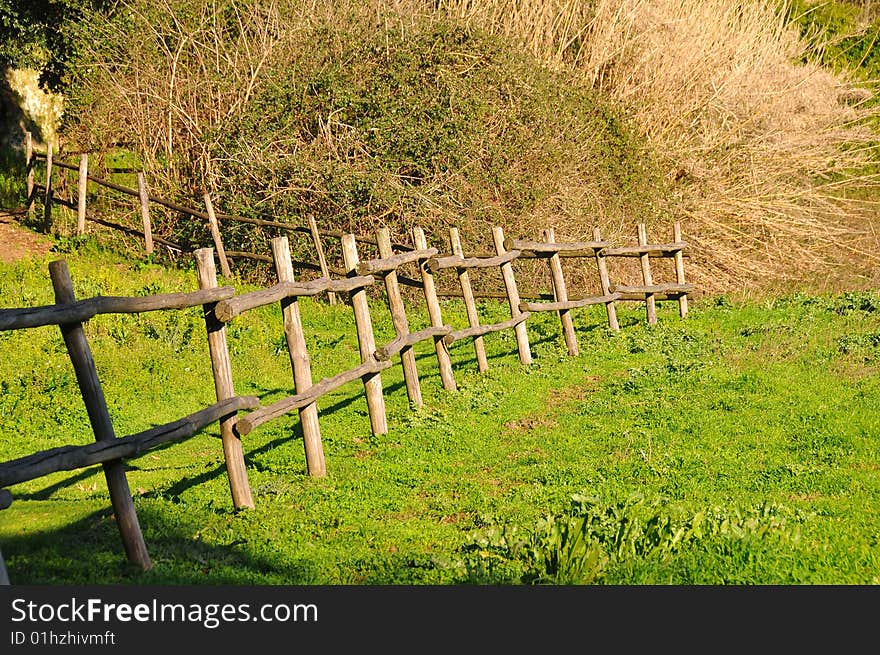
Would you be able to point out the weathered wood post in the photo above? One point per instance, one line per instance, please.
(322, 260)
(47, 204)
(81, 192)
(223, 384)
(29, 168)
(444, 362)
(299, 361)
(679, 270)
(605, 282)
(399, 319)
(144, 198)
(522, 337)
(561, 294)
(645, 260)
(5, 501)
(366, 340)
(470, 303)
(102, 427)
(4, 574)
(214, 228)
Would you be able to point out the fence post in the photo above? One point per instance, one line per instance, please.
(605, 283)
(322, 260)
(102, 427)
(470, 303)
(29, 168)
(81, 190)
(5, 501)
(144, 198)
(4, 575)
(223, 384)
(444, 363)
(561, 295)
(299, 361)
(522, 337)
(679, 271)
(366, 340)
(650, 305)
(215, 235)
(47, 204)
(398, 317)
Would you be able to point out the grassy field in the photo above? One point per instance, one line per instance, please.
(739, 446)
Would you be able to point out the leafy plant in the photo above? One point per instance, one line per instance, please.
(578, 546)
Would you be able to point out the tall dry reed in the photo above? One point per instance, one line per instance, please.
(768, 151)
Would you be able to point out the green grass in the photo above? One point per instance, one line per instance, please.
(739, 446)
(12, 179)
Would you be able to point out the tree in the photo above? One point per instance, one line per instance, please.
(38, 34)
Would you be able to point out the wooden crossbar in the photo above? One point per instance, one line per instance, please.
(568, 304)
(480, 330)
(399, 343)
(69, 458)
(227, 310)
(547, 249)
(249, 422)
(645, 290)
(458, 261)
(83, 310)
(652, 250)
(390, 263)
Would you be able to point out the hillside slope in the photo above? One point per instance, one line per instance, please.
(727, 116)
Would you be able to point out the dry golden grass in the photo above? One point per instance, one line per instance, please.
(768, 151)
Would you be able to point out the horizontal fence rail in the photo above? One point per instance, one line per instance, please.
(83, 310)
(480, 330)
(544, 249)
(68, 458)
(456, 261)
(227, 310)
(251, 421)
(567, 304)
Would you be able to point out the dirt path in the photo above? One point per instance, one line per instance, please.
(17, 242)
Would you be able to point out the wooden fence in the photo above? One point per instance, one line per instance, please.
(54, 191)
(239, 415)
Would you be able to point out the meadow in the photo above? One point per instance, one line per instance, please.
(738, 446)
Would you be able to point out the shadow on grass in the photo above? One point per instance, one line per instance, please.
(89, 551)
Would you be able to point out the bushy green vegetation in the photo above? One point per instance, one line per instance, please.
(848, 35)
(360, 116)
(738, 446)
(392, 124)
